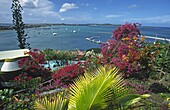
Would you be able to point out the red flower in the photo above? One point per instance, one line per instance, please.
(67, 74)
(35, 49)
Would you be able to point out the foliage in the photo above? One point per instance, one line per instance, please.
(65, 75)
(60, 57)
(32, 66)
(49, 54)
(25, 83)
(52, 102)
(126, 31)
(21, 101)
(23, 97)
(19, 25)
(93, 60)
(155, 59)
(103, 89)
(135, 57)
(124, 51)
(5, 97)
(96, 50)
(96, 90)
(129, 101)
(162, 58)
(13, 100)
(138, 86)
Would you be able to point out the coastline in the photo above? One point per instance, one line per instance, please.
(10, 27)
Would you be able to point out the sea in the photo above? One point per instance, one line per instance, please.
(71, 37)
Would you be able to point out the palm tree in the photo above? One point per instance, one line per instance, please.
(52, 102)
(100, 90)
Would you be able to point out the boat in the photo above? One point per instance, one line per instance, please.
(74, 31)
(99, 42)
(54, 34)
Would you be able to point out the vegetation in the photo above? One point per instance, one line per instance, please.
(19, 25)
(129, 73)
(103, 89)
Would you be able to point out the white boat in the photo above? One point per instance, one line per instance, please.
(88, 39)
(54, 34)
(99, 42)
(74, 31)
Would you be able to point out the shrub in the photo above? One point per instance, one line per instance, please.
(60, 57)
(65, 75)
(93, 60)
(32, 66)
(123, 51)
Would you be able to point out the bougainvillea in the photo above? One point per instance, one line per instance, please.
(126, 31)
(123, 51)
(65, 75)
(22, 78)
(32, 66)
(139, 88)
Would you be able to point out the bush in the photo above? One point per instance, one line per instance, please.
(32, 66)
(66, 75)
(123, 51)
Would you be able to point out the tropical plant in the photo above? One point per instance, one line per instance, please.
(100, 90)
(123, 51)
(162, 57)
(103, 89)
(52, 102)
(93, 60)
(19, 25)
(61, 58)
(5, 97)
(66, 75)
(21, 101)
(33, 65)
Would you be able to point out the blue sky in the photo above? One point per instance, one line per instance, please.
(146, 12)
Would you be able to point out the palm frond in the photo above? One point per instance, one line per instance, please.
(130, 99)
(52, 102)
(94, 90)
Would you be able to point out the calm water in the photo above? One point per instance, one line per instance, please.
(70, 37)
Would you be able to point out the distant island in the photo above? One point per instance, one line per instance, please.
(4, 26)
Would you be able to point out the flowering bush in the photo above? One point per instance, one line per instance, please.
(32, 66)
(126, 31)
(124, 50)
(139, 88)
(60, 57)
(67, 74)
(93, 60)
(22, 78)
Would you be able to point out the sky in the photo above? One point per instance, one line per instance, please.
(146, 12)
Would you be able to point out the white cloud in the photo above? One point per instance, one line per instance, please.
(29, 3)
(67, 6)
(114, 16)
(132, 6)
(5, 11)
(163, 20)
(154, 19)
(34, 11)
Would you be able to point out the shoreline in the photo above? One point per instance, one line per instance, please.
(10, 27)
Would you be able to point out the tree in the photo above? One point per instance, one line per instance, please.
(19, 25)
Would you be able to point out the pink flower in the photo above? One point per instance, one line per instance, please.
(35, 49)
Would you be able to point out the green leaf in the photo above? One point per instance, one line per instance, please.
(131, 99)
(94, 90)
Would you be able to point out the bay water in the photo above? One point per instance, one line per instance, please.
(70, 37)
